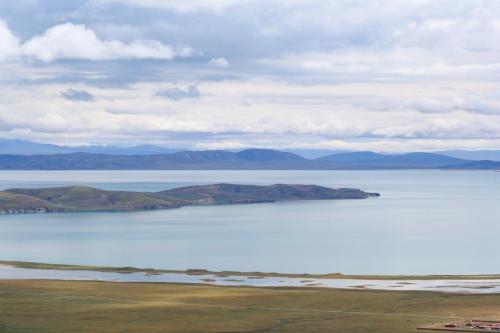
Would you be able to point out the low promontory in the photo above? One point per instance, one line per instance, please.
(82, 198)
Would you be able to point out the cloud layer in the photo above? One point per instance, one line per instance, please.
(374, 74)
(180, 6)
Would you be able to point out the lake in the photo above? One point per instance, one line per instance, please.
(425, 222)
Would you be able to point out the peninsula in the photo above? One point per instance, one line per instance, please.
(82, 198)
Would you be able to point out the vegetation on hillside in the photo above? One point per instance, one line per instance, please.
(82, 198)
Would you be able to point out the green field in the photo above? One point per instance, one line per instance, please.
(64, 306)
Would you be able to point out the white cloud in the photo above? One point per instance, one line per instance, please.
(69, 41)
(219, 62)
(9, 44)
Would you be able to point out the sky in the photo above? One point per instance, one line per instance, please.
(394, 75)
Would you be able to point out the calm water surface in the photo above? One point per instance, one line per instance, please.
(426, 222)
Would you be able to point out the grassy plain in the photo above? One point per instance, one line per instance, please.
(104, 307)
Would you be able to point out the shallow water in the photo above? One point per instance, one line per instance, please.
(426, 222)
(486, 286)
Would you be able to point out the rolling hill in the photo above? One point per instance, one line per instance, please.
(76, 198)
(232, 193)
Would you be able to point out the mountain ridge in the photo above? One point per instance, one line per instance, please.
(247, 159)
(252, 159)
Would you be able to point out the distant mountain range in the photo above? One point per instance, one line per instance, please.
(28, 155)
(362, 160)
(212, 159)
(248, 159)
(24, 147)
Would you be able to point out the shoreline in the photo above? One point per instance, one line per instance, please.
(18, 271)
(153, 271)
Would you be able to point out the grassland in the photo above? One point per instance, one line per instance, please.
(99, 307)
(36, 265)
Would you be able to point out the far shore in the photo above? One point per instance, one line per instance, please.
(125, 270)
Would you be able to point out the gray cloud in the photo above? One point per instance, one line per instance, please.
(177, 94)
(77, 95)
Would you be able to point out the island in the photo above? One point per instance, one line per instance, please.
(83, 198)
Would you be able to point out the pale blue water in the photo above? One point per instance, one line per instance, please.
(482, 286)
(426, 222)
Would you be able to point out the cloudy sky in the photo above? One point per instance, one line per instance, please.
(213, 74)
